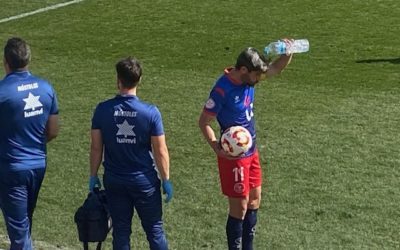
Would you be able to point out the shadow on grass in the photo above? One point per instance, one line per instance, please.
(382, 60)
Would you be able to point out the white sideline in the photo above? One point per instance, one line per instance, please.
(52, 7)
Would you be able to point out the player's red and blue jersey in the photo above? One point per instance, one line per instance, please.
(126, 125)
(26, 102)
(232, 104)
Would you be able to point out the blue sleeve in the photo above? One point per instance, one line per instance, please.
(157, 127)
(96, 118)
(215, 101)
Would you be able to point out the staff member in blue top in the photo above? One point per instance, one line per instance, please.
(28, 120)
(130, 135)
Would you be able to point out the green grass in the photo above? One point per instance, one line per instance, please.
(328, 127)
(17, 7)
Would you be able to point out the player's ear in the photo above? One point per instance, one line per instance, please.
(6, 66)
(243, 70)
(118, 83)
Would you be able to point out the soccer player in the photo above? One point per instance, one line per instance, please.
(231, 104)
(28, 120)
(131, 135)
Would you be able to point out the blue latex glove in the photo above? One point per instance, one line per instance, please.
(94, 181)
(168, 190)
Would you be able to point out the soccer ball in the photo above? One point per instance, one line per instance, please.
(236, 141)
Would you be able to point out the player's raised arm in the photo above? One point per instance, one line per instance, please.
(281, 62)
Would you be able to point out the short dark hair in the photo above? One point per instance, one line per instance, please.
(17, 53)
(252, 60)
(129, 72)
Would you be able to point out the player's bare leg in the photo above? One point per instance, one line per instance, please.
(254, 198)
(238, 207)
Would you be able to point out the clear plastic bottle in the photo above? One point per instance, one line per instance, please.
(279, 47)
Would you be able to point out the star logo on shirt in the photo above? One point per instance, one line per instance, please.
(125, 129)
(32, 102)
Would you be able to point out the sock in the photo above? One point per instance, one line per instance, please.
(234, 232)
(249, 229)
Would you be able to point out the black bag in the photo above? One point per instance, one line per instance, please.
(93, 219)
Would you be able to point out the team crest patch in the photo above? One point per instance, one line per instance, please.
(238, 188)
(210, 103)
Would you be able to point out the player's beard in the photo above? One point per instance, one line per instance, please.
(247, 80)
(252, 84)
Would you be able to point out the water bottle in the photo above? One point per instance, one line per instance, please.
(279, 47)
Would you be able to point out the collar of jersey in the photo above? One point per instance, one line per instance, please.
(127, 96)
(19, 73)
(233, 81)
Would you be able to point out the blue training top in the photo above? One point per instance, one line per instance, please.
(127, 125)
(232, 104)
(26, 102)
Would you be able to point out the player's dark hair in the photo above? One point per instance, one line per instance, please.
(129, 72)
(17, 53)
(252, 60)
